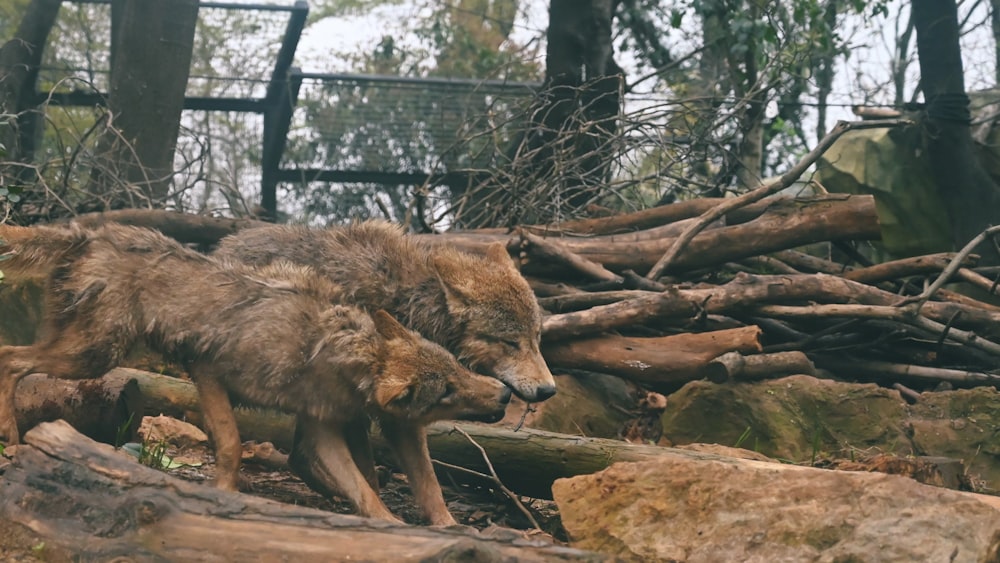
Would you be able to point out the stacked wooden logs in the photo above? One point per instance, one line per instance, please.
(740, 299)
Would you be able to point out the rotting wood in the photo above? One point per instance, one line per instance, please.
(153, 516)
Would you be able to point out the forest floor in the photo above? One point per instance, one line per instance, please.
(481, 507)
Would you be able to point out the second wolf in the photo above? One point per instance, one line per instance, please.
(478, 307)
(269, 336)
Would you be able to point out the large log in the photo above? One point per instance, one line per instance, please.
(106, 409)
(785, 224)
(665, 361)
(80, 500)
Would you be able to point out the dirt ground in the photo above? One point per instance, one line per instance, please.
(480, 506)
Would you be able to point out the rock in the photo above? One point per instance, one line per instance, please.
(172, 431)
(802, 419)
(794, 418)
(592, 404)
(725, 451)
(674, 509)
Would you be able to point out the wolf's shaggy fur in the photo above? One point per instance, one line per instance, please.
(270, 336)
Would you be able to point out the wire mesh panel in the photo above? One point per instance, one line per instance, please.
(390, 124)
(235, 46)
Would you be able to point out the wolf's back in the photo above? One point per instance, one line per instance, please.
(32, 252)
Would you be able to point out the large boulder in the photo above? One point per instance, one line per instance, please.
(677, 509)
(801, 419)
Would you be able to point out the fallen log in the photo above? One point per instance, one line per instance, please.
(664, 362)
(785, 224)
(106, 409)
(895, 269)
(527, 460)
(734, 366)
(125, 510)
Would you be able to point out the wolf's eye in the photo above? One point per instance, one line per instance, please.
(449, 390)
(512, 343)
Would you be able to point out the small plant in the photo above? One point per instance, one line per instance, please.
(743, 437)
(122, 431)
(153, 454)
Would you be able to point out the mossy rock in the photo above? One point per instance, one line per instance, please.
(801, 418)
(795, 418)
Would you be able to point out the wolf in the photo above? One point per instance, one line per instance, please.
(275, 336)
(480, 308)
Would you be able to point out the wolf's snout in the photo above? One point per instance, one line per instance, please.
(544, 392)
(505, 395)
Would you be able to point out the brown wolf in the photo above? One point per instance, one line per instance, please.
(480, 308)
(270, 336)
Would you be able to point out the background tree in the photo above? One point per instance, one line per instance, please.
(971, 196)
(151, 46)
(20, 59)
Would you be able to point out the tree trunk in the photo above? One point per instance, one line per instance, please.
(971, 197)
(126, 511)
(152, 43)
(20, 59)
(560, 161)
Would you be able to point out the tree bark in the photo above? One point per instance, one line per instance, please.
(971, 197)
(734, 366)
(155, 517)
(20, 59)
(107, 410)
(784, 225)
(666, 362)
(152, 42)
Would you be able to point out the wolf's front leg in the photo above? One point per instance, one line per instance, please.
(221, 425)
(322, 458)
(8, 383)
(358, 440)
(409, 441)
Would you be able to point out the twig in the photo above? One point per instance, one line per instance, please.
(528, 408)
(906, 316)
(908, 394)
(785, 181)
(553, 250)
(956, 263)
(492, 477)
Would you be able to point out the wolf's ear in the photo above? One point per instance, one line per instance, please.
(387, 326)
(391, 390)
(497, 252)
(454, 278)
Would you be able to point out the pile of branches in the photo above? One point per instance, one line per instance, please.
(714, 288)
(735, 302)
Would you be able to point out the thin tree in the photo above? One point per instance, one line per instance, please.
(151, 47)
(20, 59)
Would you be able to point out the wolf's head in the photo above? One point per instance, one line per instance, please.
(421, 382)
(501, 322)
